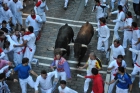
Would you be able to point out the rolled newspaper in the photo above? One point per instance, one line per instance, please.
(78, 75)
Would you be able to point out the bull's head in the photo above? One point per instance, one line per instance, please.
(77, 49)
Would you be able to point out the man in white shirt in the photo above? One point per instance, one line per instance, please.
(117, 49)
(136, 68)
(135, 39)
(104, 34)
(35, 21)
(40, 8)
(64, 89)
(100, 10)
(45, 82)
(119, 21)
(30, 47)
(127, 29)
(113, 66)
(6, 15)
(91, 63)
(16, 9)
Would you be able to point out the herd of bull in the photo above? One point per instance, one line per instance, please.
(65, 37)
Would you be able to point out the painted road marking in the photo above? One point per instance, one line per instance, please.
(58, 23)
(70, 61)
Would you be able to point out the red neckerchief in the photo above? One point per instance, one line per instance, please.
(127, 17)
(6, 9)
(102, 24)
(135, 28)
(33, 16)
(27, 33)
(118, 45)
(119, 63)
(120, 11)
(38, 4)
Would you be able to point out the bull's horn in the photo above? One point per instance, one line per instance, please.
(50, 49)
(63, 49)
(83, 45)
(71, 44)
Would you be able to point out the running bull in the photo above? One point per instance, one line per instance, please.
(82, 40)
(64, 37)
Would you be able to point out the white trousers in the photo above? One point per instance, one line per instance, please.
(111, 86)
(18, 58)
(100, 44)
(23, 83)
(86, 2)
(119, 90)
(43, 16)
(30, 53)
(134, 47)
(116, 28)
(17, 19)
(86, 84)
(127, 36)
(46, 91)
(62, 75)
(136, 69)
(66, 3)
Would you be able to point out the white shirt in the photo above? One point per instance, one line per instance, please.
(137, 52)
(100, 12)
(11, 47)
(5, 15)
(15, 7)
(32, 22)
(120, 16)
(45, 83)
(66, 90)
(117, 51)
(31, 38)
(115, 65)
(135, 35)
(91, 64)
(128, 22)
(40, 9)
(14, 38)
(104, 32)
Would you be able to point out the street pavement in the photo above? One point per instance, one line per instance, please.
(75, 16)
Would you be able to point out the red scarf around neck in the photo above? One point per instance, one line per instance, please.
(102, 24)
(27, 33)
(120, 11)
(119, 63)
(33, 16)
(135, 28)
(38, 4)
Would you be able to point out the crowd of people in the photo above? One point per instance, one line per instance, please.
(18, 45)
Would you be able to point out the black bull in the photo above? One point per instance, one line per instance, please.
(64, 37)
(83, 38)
